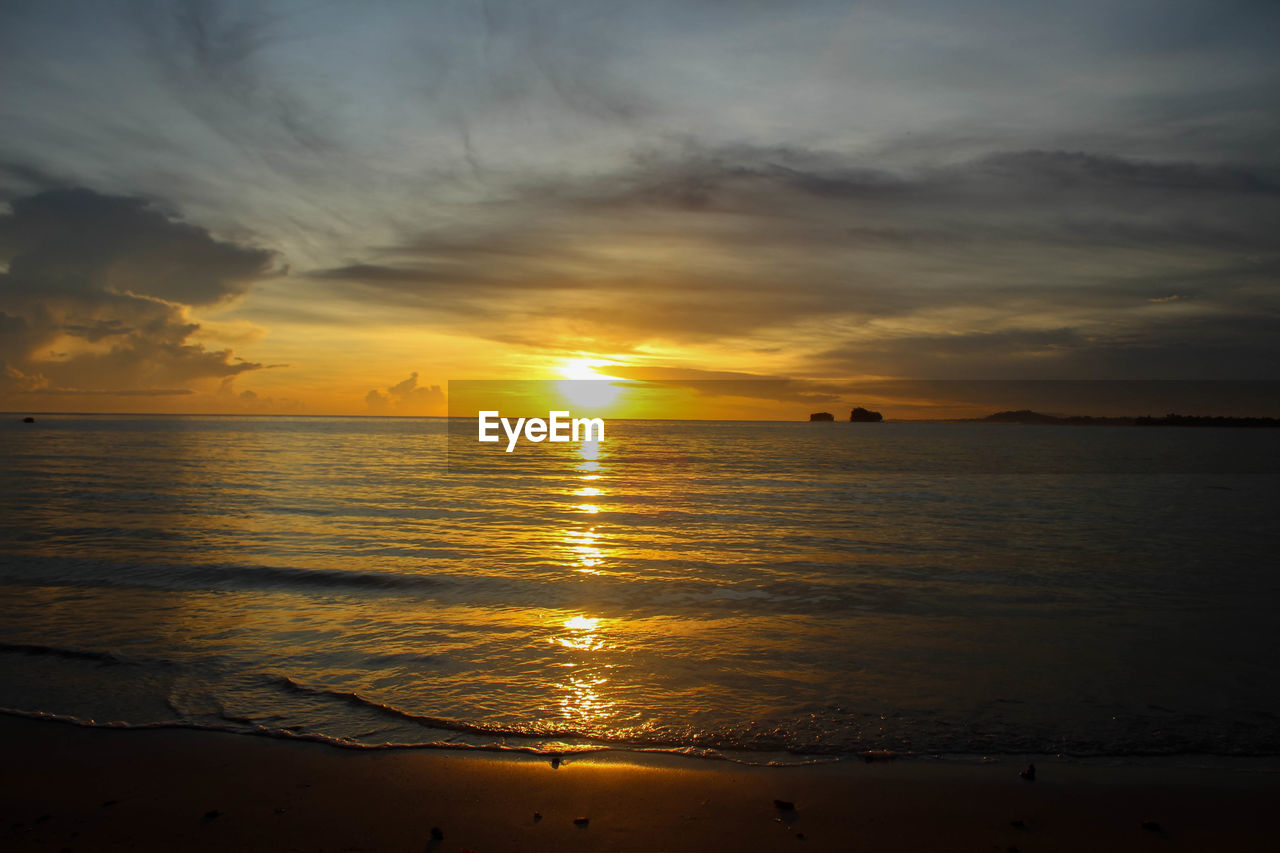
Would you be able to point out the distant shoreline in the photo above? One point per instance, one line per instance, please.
(1027, 417)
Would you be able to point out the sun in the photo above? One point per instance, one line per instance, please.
(584, 368)
(585, 386)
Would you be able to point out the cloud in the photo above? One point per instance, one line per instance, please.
(1051, 260)
(98, 290)
(1190, 347)
(877, 186)
(406, 398)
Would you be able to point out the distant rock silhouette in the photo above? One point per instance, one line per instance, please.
(28, 420)
(865, 416)
(1022, 416)
(821, 416)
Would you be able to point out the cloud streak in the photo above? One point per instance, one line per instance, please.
(1040, 260)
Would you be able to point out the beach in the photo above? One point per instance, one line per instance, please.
(68, 787)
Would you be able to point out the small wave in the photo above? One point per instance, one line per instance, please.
(291, 734)
(423, 719)
(594, 742)
(58, 651)
(550, 751)
(161, 575)
(289, 576)
(565, 750)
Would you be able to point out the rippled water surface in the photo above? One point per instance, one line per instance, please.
(748, 589)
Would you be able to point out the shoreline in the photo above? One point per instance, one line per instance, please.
(621, 751)
(79, 787)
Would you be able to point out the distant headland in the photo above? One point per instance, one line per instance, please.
(1027, 416)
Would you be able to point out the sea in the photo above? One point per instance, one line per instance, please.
(757, 592)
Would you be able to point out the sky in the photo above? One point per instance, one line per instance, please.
(339, 208)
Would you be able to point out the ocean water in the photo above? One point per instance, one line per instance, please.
(763, 592)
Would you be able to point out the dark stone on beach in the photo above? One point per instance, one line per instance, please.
(1151, 826)
(799, 836)
(537, 816)
(784, 805)
(28, 420)
(821, 416)
(1017, 824)
(581, 821)
(109, 803)
(865, 416)
(281, 810)
(43, 818)
(212, 814)
(1029, 774)
(437, 834)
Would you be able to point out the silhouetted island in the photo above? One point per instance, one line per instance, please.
(821, 416)
(865, 416)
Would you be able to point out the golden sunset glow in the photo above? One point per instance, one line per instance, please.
(558, 425)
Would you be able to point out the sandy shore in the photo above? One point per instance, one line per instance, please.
(81, 789)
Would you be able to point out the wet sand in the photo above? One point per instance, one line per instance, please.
(68, 787)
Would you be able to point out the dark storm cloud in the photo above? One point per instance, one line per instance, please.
(81, 241)
(106, 280)
(21, 179)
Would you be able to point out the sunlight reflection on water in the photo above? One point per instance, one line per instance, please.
(754, 586)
